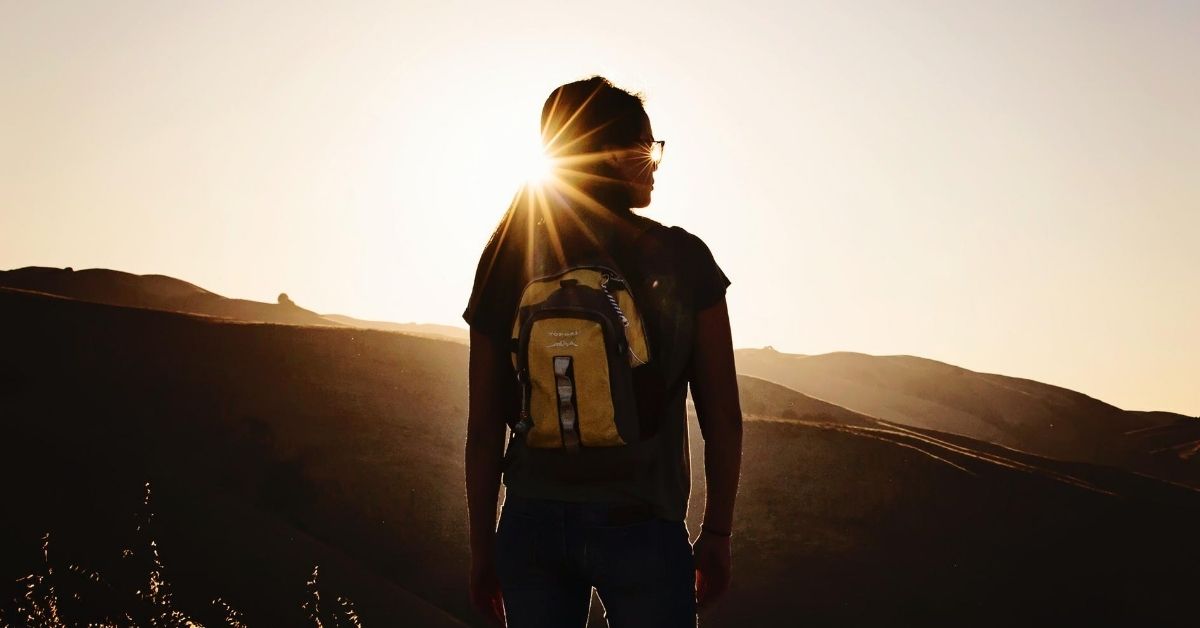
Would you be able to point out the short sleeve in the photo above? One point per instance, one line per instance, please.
(493, 297)
(709, 281)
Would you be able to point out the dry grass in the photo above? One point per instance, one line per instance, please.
(53, 598)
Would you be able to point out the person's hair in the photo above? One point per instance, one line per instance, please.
(580, 117)
(577, 118)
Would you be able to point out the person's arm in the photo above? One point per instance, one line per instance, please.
(492, 392)
(714, 387)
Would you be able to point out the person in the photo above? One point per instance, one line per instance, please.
(627, 539)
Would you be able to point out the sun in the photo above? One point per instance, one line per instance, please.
(538, 168)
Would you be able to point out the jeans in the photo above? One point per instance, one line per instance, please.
(550, 553)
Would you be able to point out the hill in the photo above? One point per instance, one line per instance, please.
(276, 447)
(1017, 413)
(441, 332)
(160, 292)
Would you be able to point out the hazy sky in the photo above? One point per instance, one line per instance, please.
(1012, 187)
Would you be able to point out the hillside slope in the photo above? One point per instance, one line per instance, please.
(273, 447)
(158, 292)
(1022, 414)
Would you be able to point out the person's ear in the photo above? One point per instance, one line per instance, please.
(609, 155)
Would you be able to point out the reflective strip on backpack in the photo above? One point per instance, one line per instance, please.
(566, 402)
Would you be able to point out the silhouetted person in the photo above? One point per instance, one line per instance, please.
(627, 538)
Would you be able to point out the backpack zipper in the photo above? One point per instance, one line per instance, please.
(605, 273)
(605, 276)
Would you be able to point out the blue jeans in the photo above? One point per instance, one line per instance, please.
(550, 553)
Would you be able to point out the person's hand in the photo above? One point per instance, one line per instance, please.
(713, 568)
(485, 591)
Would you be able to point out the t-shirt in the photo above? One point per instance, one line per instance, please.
(672, 275)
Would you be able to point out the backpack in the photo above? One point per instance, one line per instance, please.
(577, 336)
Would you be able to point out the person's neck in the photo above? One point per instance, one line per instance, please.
(609, 212)
(625, 221)
(622, 212)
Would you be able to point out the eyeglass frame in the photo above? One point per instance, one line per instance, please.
(662, 147)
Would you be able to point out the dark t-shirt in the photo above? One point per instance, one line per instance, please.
(673, 275)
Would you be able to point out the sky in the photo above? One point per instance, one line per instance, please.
(1010, 187)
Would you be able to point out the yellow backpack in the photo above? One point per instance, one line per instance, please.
(576, 337)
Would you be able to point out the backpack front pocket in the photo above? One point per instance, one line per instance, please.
(573, 357)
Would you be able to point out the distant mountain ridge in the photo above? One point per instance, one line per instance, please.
(161, 292)
(1022, 414)
(156, 292)
(429, 330)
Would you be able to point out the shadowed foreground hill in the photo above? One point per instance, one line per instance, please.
(272, 448)
(1018, 413)
(939, 529)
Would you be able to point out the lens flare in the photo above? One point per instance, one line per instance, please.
(539, 168)
(656, 152)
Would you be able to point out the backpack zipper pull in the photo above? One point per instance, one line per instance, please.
(524, 422)
(604, 279)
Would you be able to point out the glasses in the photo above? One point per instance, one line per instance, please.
(652, 150)
(656, 151)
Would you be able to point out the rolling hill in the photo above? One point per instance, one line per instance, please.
(1021, 414)
(160, 292)
(429, 330)
(272, 448)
